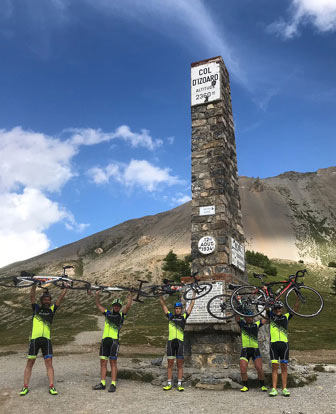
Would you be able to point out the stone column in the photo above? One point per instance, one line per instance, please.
(216, 224)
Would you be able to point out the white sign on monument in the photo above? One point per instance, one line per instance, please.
(205, 83)
(207, 245)
(237, 255)
(207, 210)
(200, 313)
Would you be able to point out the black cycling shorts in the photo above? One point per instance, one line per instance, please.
(248, 353)
(109, 348)
(279, 350)
(40, 343)
(175, 348)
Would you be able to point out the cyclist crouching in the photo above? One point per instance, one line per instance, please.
(250, 349)
(175, 343)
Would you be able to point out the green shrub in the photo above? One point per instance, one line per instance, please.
(261, 260)
(176, 268)
(332, 264)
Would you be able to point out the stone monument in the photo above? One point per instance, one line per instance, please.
(217, 235)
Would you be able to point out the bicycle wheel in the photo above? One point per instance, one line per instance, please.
(304, 301)
(219, 307)
(153, 291)
(248, 301)
(201, 290)
(16, 281)
(74, 284)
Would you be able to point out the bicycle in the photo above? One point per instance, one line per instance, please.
(29, 279)
(301, 300)
(219, 306)
(170, 287)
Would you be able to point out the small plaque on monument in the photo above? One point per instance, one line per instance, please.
(207, 245)
(207, 210)
(237, 255)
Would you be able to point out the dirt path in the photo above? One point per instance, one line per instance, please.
(75, 374)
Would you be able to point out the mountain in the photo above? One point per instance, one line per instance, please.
(291, 216)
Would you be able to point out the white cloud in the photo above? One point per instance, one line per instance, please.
(319, 13)
(23, 220)
(91, 136)
(34, 165)
(33, 159)
(181, 199)
(138, 173)
(171, 140)
(181, 19)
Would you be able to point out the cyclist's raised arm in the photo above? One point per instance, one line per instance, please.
(99, 306)
(128, 304)
(164, 306)
(192, 303)
(61, 296)
(33, 294)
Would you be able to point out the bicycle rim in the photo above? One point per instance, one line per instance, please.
(201, 290)
(219, 307)
(16, 282)
(248, 301)
(304, 301)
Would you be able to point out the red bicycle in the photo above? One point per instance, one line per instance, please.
(300, 300)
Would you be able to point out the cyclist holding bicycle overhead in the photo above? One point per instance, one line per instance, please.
(43, 316)
(279, 349)
(110, 343)
(250, 349)
(175, 344)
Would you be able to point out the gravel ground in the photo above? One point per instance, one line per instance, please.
(75, 374)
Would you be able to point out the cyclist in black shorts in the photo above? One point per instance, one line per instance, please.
(109, 346)
(175, 344)
(43, 316)
(250, 349)
(279, 349)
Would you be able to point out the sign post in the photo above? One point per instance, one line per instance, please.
(217, 236)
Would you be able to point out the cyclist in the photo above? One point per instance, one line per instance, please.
(279, 350)
(175, 344)
(109, 346)
(43, 316)
(250, 349)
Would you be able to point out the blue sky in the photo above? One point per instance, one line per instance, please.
(95, 105)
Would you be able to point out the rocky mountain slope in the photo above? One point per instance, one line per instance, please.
(291, 216)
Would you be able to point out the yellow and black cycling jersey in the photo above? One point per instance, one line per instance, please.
(279, 327)
(42, 320)
(176, 325)
(249, 333)
(113, 324)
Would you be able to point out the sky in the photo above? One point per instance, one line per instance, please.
(95, 124)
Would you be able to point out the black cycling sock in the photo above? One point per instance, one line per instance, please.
(245, 383)
(262, 383)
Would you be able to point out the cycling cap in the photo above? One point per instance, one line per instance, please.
(178, 305)
(117, 302)
(278, 305)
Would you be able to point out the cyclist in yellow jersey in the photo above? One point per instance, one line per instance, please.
(250, 349)
(109, 346)
(40, 337)
(175, 344)
(279, 349)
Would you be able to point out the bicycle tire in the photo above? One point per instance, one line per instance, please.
(204, 289)
(75, 284)
(153, 292)
(14, 281)
(219, 307)
(251, 301)
(310, 301)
